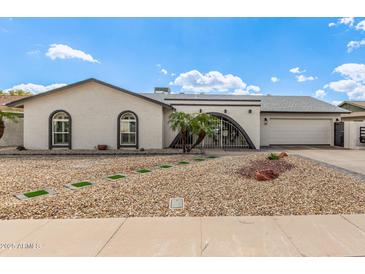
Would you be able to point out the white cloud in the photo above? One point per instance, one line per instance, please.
(253, 88)
(296, 70)
(60, 51)
(274, 79)
(302, 78)
(163, 71)
(336, 103)
(172, 74)
(320, 93)
(343, 85)
(352, 45)
(241, 92)
(353, 84)
(346, 21)
(213, 81)
(34, 88)
(360, 25)
(352, 71)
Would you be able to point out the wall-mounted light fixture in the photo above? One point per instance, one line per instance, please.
(265, 119)
(200, 110)
(337, 120)
(250, 111)
(225, 111)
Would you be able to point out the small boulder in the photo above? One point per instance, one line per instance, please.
(260, 177)
(283, 154)
(266, 174)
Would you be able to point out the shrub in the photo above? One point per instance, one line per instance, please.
(273, 156)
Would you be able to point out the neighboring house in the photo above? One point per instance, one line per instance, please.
(13, 134)
(357, 109)
(91, 112)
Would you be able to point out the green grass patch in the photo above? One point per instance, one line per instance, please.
(183, 163)
(116, 177)
(81, 184)
(212, 157)
(165, 166)
(35, 193)
(199, 159)
(143, 170)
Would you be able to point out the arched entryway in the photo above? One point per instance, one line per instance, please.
(228, 134)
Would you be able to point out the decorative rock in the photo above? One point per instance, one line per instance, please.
(283, 154)
(266, 174)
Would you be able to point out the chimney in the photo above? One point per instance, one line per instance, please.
(162, 90)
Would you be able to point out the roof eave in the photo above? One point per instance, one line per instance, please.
(305, 112)
(21, 102)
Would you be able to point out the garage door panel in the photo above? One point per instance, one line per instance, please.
(300, 131)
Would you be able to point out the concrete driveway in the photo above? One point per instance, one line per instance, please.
(351, 160)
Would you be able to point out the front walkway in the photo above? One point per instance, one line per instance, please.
(329, 235)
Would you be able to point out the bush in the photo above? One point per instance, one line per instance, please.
(273, 156)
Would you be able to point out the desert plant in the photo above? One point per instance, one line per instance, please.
(200, 124)
(7, 115)
(273, 156)
(181, 121)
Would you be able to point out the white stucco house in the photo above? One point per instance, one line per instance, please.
(91, 112)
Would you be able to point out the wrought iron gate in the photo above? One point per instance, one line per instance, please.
(226, 135)
(339, 134)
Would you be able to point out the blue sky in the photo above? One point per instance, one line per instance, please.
(321, 57)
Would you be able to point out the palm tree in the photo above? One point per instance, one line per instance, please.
(181, 121)
(8, 115)
(201, 124)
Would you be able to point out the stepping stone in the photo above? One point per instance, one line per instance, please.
(78, 185)
(36, 193)
(199, 159)
(143, 170)
(116, 177)
(165, 166)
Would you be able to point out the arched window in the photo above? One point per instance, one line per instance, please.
(60, 129)
(127, 129)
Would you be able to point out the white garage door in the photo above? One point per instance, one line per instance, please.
(300, 132)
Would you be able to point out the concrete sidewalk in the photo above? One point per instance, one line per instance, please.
(329, 235)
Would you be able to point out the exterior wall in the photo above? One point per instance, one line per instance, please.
(265, 126)
(168, 133)
(356, 119)
(94, 109)
(250, 122)
(352, 134)
(13, 134)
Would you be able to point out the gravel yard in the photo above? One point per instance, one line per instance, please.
(210, 188)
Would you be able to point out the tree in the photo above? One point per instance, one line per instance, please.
(201, 124)
(181, 121)
(18, 92)
(8, 115)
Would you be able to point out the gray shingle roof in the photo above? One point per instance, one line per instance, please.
(268, 103)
